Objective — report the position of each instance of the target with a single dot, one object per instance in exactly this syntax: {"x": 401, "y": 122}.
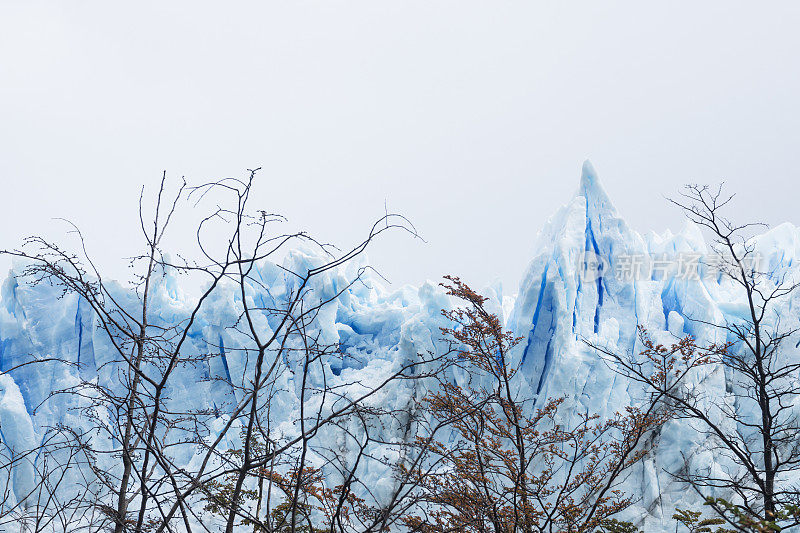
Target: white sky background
{"x": 471, "y": 118}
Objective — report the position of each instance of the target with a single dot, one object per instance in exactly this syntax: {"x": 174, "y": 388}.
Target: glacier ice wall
{"x": 562, "y": 301}
{"x": 595, "y": 279}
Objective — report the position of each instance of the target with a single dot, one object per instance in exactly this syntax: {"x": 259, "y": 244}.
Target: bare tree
{"x": 149, "y": 460}
{"x": 753, "y": 428}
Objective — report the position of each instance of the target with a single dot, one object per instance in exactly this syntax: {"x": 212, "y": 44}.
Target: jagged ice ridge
{"x": 562, "y": 301}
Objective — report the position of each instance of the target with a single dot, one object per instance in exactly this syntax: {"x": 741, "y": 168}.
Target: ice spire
{"x": 597, "y": 200}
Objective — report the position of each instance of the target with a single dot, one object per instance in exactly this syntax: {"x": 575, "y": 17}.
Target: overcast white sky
{"x": 472, "y": 118}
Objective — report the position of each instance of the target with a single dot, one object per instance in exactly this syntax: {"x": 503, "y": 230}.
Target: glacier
{"x": 568, "y": 295}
